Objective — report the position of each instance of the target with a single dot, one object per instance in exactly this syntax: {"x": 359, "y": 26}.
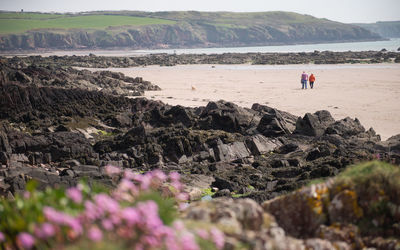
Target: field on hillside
{"x": 22, "y": 22}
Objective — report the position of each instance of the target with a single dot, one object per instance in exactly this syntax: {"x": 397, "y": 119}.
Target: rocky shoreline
{"x": 316, "y": 57}
{"x": 58, "y": 125}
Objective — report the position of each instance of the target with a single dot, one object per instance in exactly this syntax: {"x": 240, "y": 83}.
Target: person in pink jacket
{"x": 304, "y": 79}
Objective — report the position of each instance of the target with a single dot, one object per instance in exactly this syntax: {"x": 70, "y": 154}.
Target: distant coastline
{"x": 157, "y": 30}
{"x": 392, "y": 45}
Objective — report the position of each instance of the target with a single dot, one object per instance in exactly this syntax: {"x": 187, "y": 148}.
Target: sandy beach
{"x": 369, "y": 92}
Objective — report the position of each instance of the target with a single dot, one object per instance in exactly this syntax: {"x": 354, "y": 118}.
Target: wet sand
{"x": 369, "y": 92}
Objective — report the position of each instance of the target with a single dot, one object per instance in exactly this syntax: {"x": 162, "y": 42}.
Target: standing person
{"x": 312, "y": 80}
{"x": 304, "y": 79}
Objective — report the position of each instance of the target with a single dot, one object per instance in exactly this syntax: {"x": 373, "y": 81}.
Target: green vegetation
{"x": 377, "y": 188}
{"x": 21, "y": 22}
{"x": 105, "y": 133}
{"x": 208, "y": 191}
{"x": 135, "y": 29}
{"x": 98, "y": 217}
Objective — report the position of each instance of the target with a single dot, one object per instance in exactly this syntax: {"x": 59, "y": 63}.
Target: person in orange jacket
{"x": 311, "y": 79}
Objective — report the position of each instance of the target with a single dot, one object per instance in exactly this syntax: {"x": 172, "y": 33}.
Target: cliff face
{"x": 384, "y": 29}
{"x": 194, "y": 29}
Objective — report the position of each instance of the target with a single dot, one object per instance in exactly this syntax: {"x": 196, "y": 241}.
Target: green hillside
{"x": 144, "y": 30}
{"x": 12, "y": 23}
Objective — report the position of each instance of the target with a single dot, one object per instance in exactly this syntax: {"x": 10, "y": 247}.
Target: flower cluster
{"x": 128, "y": 214}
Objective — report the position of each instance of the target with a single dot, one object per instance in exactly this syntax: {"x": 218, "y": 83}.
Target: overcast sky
{"x": 338, "y": 10}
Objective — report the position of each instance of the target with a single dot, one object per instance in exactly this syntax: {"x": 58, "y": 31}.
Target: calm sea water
{"x": 390, "y": 45}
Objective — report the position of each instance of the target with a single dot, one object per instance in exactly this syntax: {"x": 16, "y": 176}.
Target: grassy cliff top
{"x": 17, "y": 23}
{"x": 22, "y": 22}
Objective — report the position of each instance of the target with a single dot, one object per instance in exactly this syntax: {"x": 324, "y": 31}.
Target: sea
{"x": 390, "y": 45}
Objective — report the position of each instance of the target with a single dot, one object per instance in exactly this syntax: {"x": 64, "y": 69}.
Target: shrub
{"x": 140, "y": 213}
{"x": 377, "y": 188}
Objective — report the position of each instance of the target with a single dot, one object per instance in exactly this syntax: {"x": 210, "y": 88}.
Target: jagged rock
{"x": 273, "y": 124}
{"x": 181, "y": 115}
{"x": 226, "y": 116}
{"x": 19, "y": 158}
{"x": 344, "y": 208}
{"x": 44, "y": 178}
{"x": 318, "y": 152}
{"x": 4, "y": 144}
{"x": 17, "y": 183}
{"x": 287, "y": 148}
{"x": 223, "y": 184}
{"x": 121, "y": 120}
{"x": 346, "y": 127}
{"x": 314, "y": 124}
{"x": 231, "y": 152}
{"x": 301, "y": 213}
{"x": 348, "y": 234}
{"x": 259, "y": 145}
{"x": 72, "y": 163}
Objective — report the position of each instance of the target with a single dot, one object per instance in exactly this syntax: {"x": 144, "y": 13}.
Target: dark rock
{"x": 181, "y": 115}
{"x": 223, "y": 184}
{"x": 318, "y": 152}
{"x": 223, "y": 193}
{"x": 231, "y": 152}
{"x": 85, "y": 168}
{"x": 121, "y": 120}
{"x": 67, "y": 172}
{"x": 4, "y": 144}
{"x": 19, "y": 158}
{"x": 17, "y": 183}
{"x": 346, "y": 127}
{"x": 287, "y": 148}
{"x": 259, "y": 145}
{"x": 314, "y": 124}
{"x": 72, "y": 163}
{"x": 226, "y": 116}
{"x": 61, "y": 128}
{"x": 273, "y": 124}
{"x": 323, "y": 171}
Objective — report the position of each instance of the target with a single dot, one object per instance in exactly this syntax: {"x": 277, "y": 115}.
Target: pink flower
{"x": 145, "y": 182}
{"x": 62, "y": 219}
{"x": 74, "y": 194}
{"x": 2, "y": 237}
{"x": 53, "y": 215}
{"x": 130, "y": 215}
{"x": 127, "y": 185}
{"x": 177, "y": 185}
{"x": 159, "y": 175}
{"x": 129, "y": 174}
{"x": 95, "y": 234}
{"x": 149, "y": 210}
{"x": 203, "y": 234}
{"x": 26, "y": 240}
{"x": 73, "y": 223}
{"x": 182, "y": 196}
{"x": 106, "y": 203}
{"x": 188, "y": 242}
{"x": 174, "y": 176}
{"x": 151, "y": 241}
{"x": 139, "y": 246}
{"x": 27, "y": 195}
{"x": 47, "y": 230}
{"x": 111, "y": 170}
{"x": 218, "y": 238}
{"x": 91, "y": 211}
{"x": 107, "y": 224}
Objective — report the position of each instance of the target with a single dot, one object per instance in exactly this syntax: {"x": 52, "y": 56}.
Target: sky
{"x": 347, "y": 11}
